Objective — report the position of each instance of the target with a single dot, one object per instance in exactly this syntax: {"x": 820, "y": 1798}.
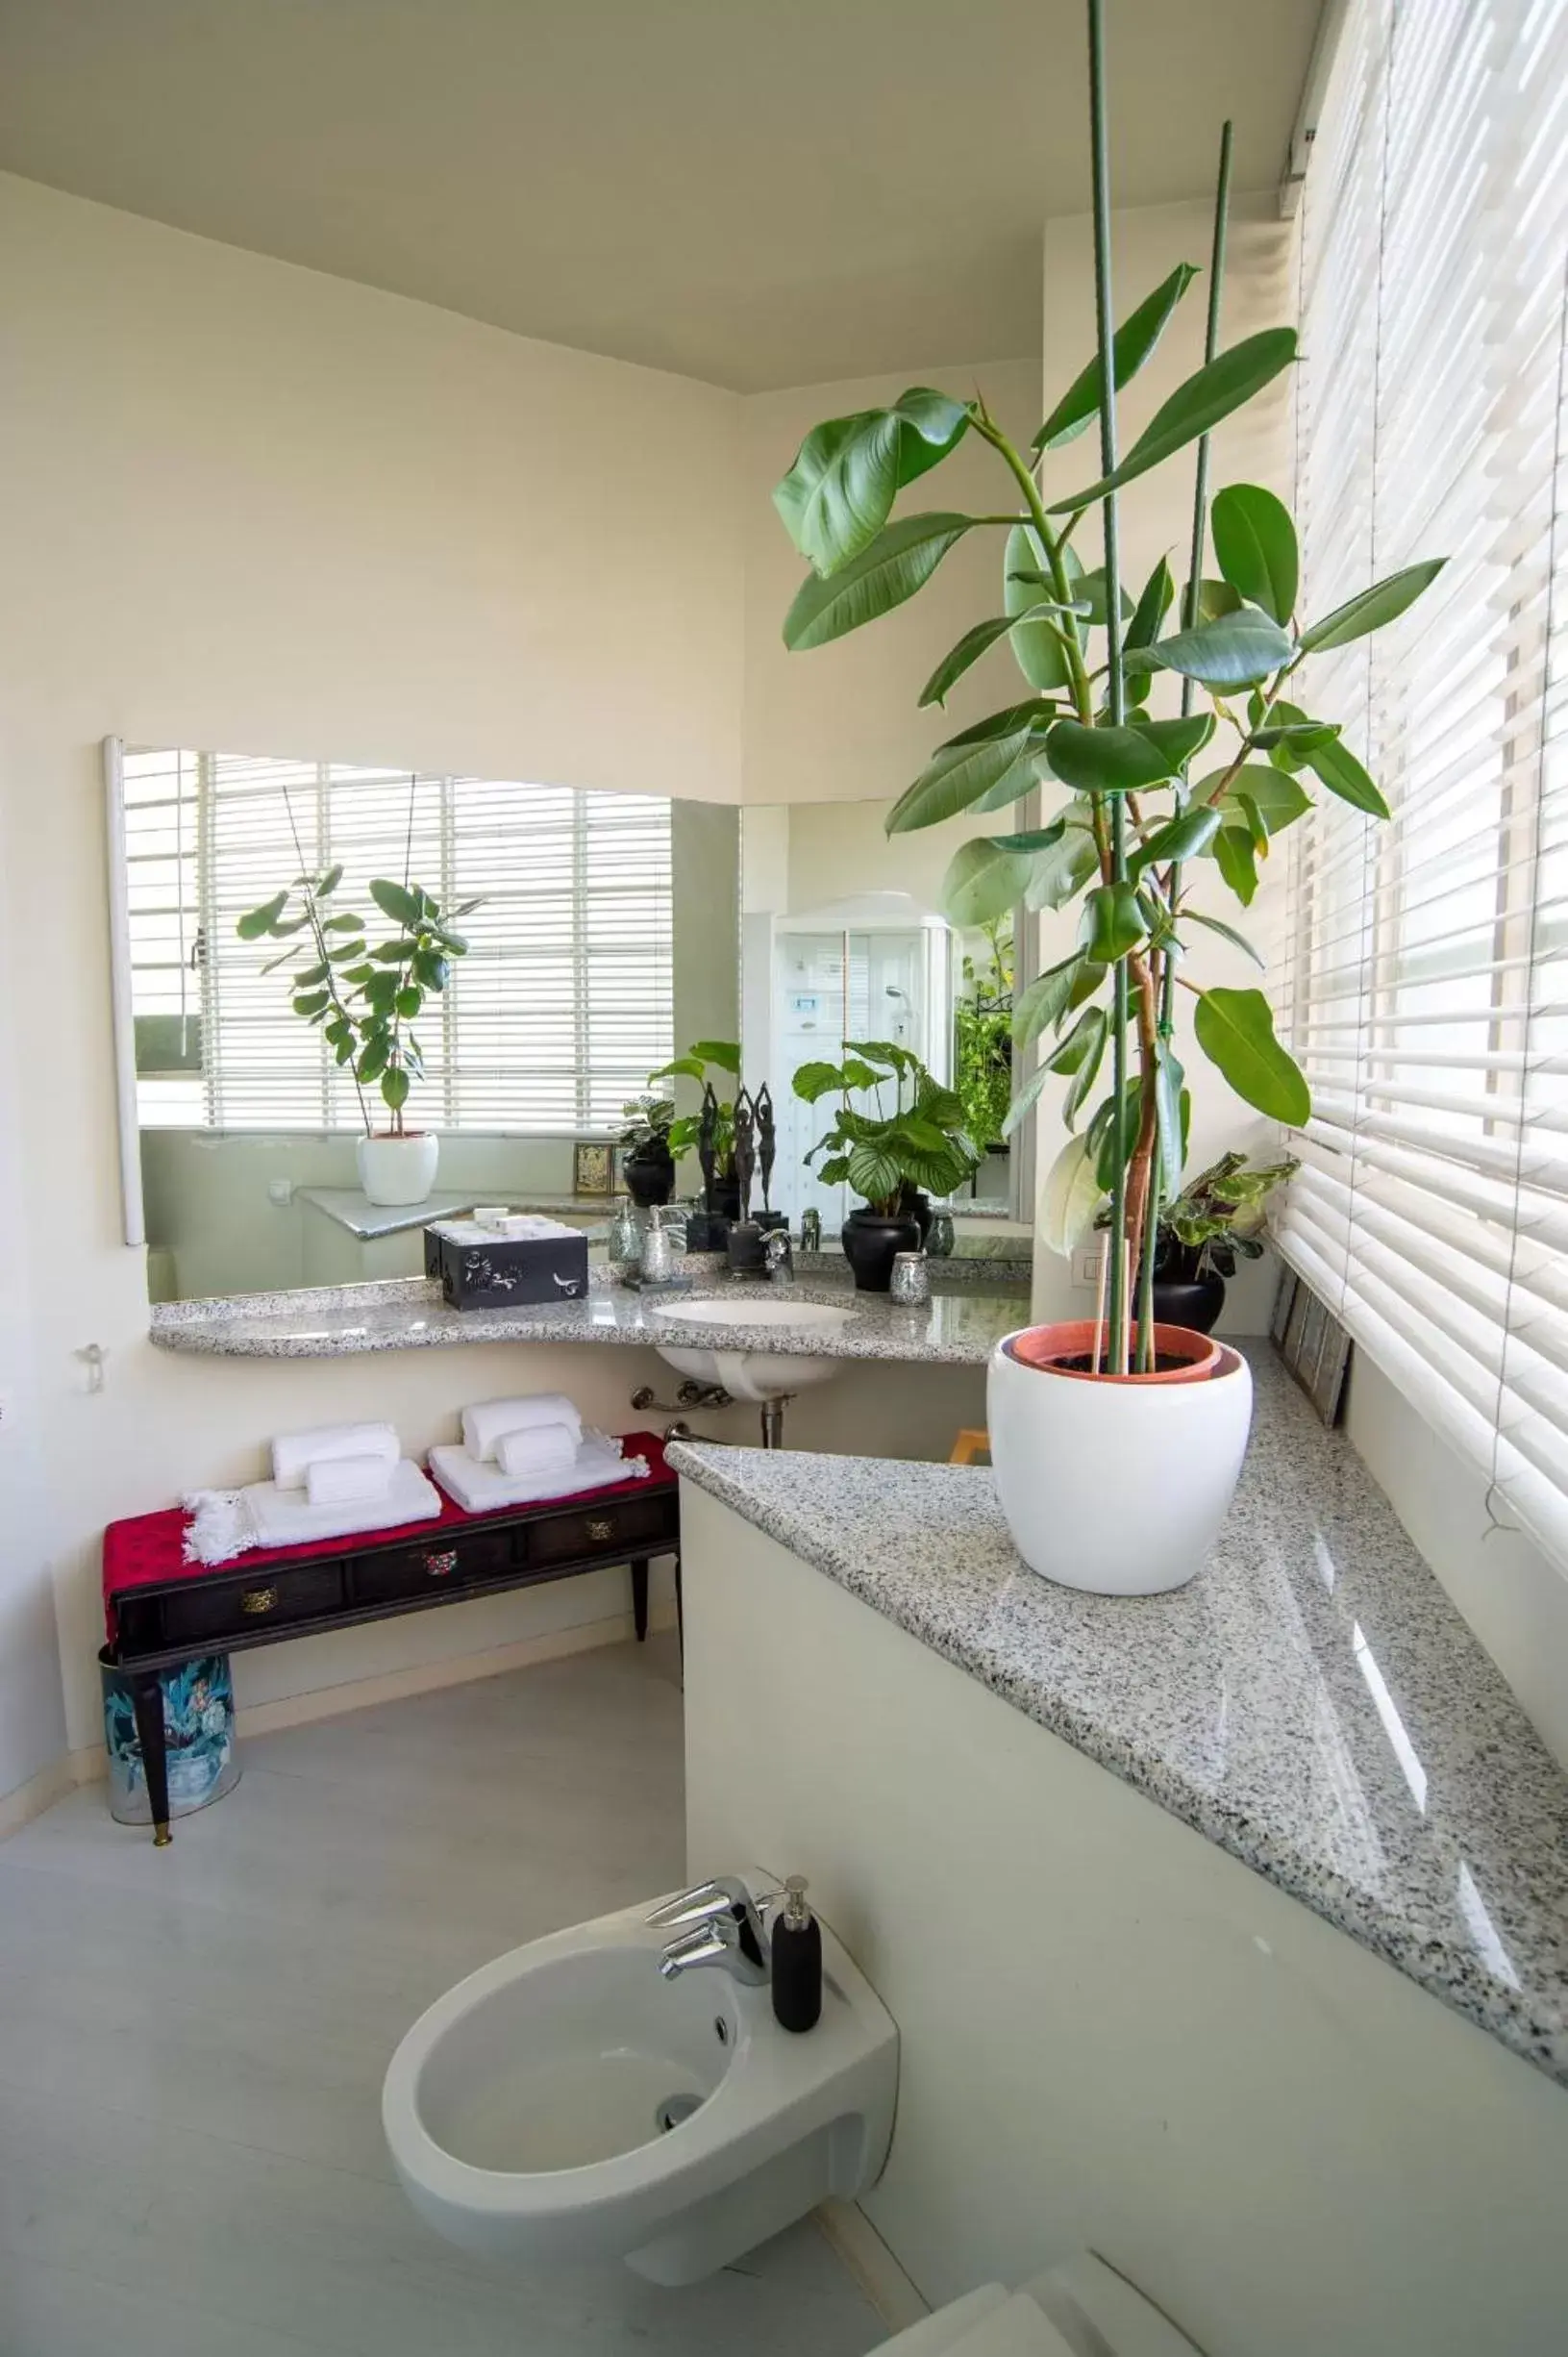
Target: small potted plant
{"x": 365, "y": 1000}
{"x": 1203, "y": 1231}
{"x": 647, "y": 1164}
{"x": 702, "y": 1060}
{"x": 888, "y": 1157}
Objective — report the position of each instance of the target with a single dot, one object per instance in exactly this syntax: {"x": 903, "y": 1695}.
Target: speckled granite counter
{"x": 955, "y": 1329}
{"x": 1312, "y": 1702}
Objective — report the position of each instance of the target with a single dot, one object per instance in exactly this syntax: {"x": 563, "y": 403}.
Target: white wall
{"x": 1113, "y": 2034}
{"x": 265, "y": 510}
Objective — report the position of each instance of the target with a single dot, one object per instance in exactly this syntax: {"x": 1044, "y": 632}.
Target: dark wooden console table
{"x": 160, "y": 1610}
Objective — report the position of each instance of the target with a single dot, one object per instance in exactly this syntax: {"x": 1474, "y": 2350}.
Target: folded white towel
{"x": 480, "y": 1488}
{"x": 292, "y": 1452}
{"x": 227, "y": 1522}
{"x": 482, "y": 1425}
{"x": 346, "y": 1481}
{"x": 542, "y": 1448}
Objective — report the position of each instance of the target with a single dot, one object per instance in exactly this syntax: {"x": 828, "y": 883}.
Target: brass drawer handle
{"x": 442, "y": 1564}
{"x": 258, "y": 1599}
{"x": 600, "y": 1527}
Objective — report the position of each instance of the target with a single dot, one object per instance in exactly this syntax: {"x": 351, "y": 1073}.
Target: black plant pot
{"x": 1194, "y": 1302}
{"x": 650, "y": 1176}
{"x": 915, "y": 1204}
{"x": 872, "y": 1243}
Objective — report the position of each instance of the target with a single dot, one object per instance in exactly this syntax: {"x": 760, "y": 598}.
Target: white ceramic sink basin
{"x": 567, "y": 2102}
{"x": 745, "y": 1372}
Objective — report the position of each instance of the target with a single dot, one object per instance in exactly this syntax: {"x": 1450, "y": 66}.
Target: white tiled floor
{"x": 192, "y": 2041}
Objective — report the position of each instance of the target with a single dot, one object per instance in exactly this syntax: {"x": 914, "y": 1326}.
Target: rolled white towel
{"x": 293, "y": 1451}
{"x": 482, "y": 1425}
{"x": 541, "y": 1448}
{"x": 346, "y": 1481}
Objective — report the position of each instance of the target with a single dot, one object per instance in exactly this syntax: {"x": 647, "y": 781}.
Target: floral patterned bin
{"x": 198, "y": 1732}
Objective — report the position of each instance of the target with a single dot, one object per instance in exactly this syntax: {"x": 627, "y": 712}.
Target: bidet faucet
{"x": 778, "y": 1256}
{"x": 726, "y": 1931}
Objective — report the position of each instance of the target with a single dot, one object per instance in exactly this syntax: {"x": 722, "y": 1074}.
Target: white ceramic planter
{"x": 395, "y": 1170}
{"x": 1116, "y": 1486}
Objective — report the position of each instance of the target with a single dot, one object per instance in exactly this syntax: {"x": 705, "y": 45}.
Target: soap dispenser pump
{"x": 797, "y": 1961}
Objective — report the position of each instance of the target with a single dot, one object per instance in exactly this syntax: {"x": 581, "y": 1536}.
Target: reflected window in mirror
{"x": 562, "y": 1003}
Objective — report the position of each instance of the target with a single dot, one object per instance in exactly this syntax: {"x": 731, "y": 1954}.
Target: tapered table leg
{"x": 147, "y": 1702}
{"x": 639, "y": 1597}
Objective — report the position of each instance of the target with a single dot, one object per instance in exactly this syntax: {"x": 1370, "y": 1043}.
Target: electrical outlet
{"x": 1087, "y": 1266}
{"x": 281, "y": 1191}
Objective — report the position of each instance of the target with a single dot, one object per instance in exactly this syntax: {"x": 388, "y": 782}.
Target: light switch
{"x": 281, "y": 1191}
{"x": 1086, "y": 1265}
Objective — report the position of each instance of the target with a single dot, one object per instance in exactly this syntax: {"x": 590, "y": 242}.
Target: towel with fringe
{"x": 227, "y": 1522}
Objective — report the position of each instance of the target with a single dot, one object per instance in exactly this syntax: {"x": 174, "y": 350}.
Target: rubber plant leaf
{"x": 1130, "y": 348}
{"x": 1236, "y": 1031}
{"x": 900, "y": 560}
{"x": 1198, "y": 405}
{"x": 983, "y": 882}
{"x": 1235, "y": 650}
{"x": 1343, "y": 775}
{"x": 1371, "y": 609}
{"x": 1256, "y": 543}
{"x": 1069, "y": 1199}
{"x": 839, "y": 492}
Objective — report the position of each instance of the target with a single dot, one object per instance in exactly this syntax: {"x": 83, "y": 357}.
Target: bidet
{"x": 569, "y": 2102}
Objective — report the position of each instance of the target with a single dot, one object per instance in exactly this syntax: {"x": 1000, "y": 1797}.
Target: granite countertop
{"x": 955, "y": 1329}
{"x": 1312, "y": 1702}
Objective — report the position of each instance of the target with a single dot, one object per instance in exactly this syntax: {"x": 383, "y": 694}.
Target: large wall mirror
{"x": 608, "y": 932}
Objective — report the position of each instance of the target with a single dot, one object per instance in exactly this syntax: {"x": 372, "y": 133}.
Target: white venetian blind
{"x": 1427, "y": 987}
{"x": 560, "y": 1007}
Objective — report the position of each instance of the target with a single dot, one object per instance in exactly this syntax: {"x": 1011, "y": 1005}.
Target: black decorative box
{"x": 478, "y": 1269}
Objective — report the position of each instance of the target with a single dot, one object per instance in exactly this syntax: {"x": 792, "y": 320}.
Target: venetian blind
{"x": 560, "y": 1007}
{"x": 1427, "y": 987}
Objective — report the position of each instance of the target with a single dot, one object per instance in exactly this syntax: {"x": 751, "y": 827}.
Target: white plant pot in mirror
{"x": 1114, "y": 1485}
{"x": 395, "y": 1170}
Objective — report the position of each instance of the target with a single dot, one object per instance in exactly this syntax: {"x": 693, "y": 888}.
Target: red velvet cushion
{"x": 147, "y": 1550}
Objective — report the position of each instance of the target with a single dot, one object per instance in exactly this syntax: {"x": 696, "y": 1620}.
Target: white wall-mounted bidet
{"x": 595, "y": 2095}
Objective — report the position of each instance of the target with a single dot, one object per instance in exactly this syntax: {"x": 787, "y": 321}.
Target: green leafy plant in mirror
{"x": 647, "y": 1121}
{"x": 983, "y": 1038}
{"x": 706, "y": 1060}
{"x": 918, "y": 1141}
{"x": 1141, "y": 797}
{"x": 364, "y": 997}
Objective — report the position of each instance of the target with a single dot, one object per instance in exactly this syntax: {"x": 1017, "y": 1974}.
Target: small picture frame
{"x": 594, "y": 1167}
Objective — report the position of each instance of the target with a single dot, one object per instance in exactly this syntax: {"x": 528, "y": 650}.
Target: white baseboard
{"x": 90, "y": 1766}
{"x": 872, "y": 2263}
{"x": 41, "y": 1791}
{"x": 427, "y": 1677}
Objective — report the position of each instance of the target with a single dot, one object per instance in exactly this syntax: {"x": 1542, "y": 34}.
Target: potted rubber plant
{"x": 647, "y": 1163}
{"x": 889, "y": 1157}
{"x": 365, "y": 999}
{"x": 1117, "y": 1441}
{"x": 709, "y": 1062}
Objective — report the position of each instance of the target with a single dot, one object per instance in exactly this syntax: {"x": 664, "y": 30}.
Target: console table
{"x": 159, "y": 1609}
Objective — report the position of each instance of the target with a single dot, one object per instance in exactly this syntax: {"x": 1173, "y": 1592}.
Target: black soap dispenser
{"x": 797, "y": 1961}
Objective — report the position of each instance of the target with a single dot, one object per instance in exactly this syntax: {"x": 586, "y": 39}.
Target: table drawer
{"x": 444, "y": 1561}
{"x": 628, "y": 1527}
{"x": 268, "y": 1600}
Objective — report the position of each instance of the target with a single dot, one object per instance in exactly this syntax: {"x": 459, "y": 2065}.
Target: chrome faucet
{"x": 726, "y": 1931}
{"x": 778, "y": 1256}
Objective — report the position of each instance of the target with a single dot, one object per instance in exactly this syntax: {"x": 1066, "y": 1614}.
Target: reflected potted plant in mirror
{"x": 894, "y": 1157}
{"x": 647, "y": 1164}
{"x": 983, "y": 1038}
{"x": 702, "y": 1061}
{"x": 1116, "y": 1444}
{"x": 364, "y": 999}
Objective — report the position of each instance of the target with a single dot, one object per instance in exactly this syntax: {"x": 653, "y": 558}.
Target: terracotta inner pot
{"x": 1047, "y": 1347}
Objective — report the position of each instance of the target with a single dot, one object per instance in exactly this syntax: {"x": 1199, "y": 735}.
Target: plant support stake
{"x": 1115, "y": 701}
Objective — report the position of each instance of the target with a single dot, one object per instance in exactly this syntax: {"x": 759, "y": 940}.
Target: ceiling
{"x": 757, "y": 192}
